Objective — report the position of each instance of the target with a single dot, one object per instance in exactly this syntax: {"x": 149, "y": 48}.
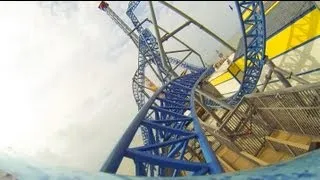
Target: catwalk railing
{"x": 295, "y": 110}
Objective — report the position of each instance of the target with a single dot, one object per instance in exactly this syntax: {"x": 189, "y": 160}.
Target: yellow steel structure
{"x": 301, "y": 31}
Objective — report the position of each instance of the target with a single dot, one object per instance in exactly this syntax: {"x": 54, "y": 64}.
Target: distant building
{"x": 221, "y": 60}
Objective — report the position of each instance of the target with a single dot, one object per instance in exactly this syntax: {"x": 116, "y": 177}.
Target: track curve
{"x": 148, "y": 48}
{"x": 253, "y": 28}
{"x": 166, "y": 128}
{"x": 148, "y": 52}
{"x": 175, "y": 98}
{"x": 170, "y": 129}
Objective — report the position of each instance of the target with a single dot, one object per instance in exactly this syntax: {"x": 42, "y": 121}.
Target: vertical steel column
{"x": 280, "y": 76}
{"x": 125, "y": 28}
{"x": 162, "y": 54}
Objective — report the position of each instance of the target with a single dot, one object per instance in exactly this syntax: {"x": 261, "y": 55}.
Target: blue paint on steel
{"x": 185, "y": 65}
{"x": 167, "y": 128}
{"x": 132, "y": 5}
{"x": 303, "y": 167}
{"x": 167, "y": 142}
{"x": 115, "y": 158}
{"x": 176, "y": 94}
{"x": 254, "y": 43}
{"x": 208, "y": 154}
{"x": 151, "y": 159}
{"x": 148, "y": 51}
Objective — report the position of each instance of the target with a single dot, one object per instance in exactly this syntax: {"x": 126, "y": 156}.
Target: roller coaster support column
{"x": 267, "y": 79}
{"x": 213, "y": 115}
{"x": 199, "y": 25}
{"x": 279, "y": 75}
{"x": 167, "y": 36}
{"x": 182, "y": 61}
{"x": 180, "y": 41}
{"x": 138, "y": 25}
{"x": 164, "y": 57}
{"x": 291, "y": 75}
{"x": 216, "y": 100}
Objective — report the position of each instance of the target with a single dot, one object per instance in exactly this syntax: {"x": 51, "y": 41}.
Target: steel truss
{"x": 170, "y": 128}
{"x": 166, "y": 126}
{"x": 148, "y": 52}
{"x": 254, "y": 34}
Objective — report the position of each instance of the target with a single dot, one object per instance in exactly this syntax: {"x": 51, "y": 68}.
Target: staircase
{"x": 247, "y": 137}
{"x": 274, "y": 150}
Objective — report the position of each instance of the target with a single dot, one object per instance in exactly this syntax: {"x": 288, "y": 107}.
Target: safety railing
{"x": 295, "y": 109}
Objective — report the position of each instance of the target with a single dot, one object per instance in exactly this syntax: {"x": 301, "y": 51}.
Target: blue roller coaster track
{"x": 168, "y": 119}
{"x": 254, "y": 32}
{"x": 148, "y": 51}
{"x": 169, "y": 128}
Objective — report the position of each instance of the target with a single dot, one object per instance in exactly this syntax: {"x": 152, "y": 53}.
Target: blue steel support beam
{"x": 209, "y": 155}
{"x": 254, "y": 43}
{"x": 172, "y": 135}
{"x": 116, "y": 156}
{"x": 149, "y": 50}
{"x": 163, "y": 56}
{"x": 168, "y": 133}
{"x": 131, "y": 7}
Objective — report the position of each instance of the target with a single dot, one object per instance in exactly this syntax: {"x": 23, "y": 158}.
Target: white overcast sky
{"x": 66, "y": 73}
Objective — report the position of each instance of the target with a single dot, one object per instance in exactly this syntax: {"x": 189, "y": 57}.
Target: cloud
{"x": 60, "y": 71}
{"x": 60, "y": 8}
{"x": 66, "y": 71}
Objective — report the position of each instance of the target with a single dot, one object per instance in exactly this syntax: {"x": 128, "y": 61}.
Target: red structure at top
{"x": 103, "y": 5}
